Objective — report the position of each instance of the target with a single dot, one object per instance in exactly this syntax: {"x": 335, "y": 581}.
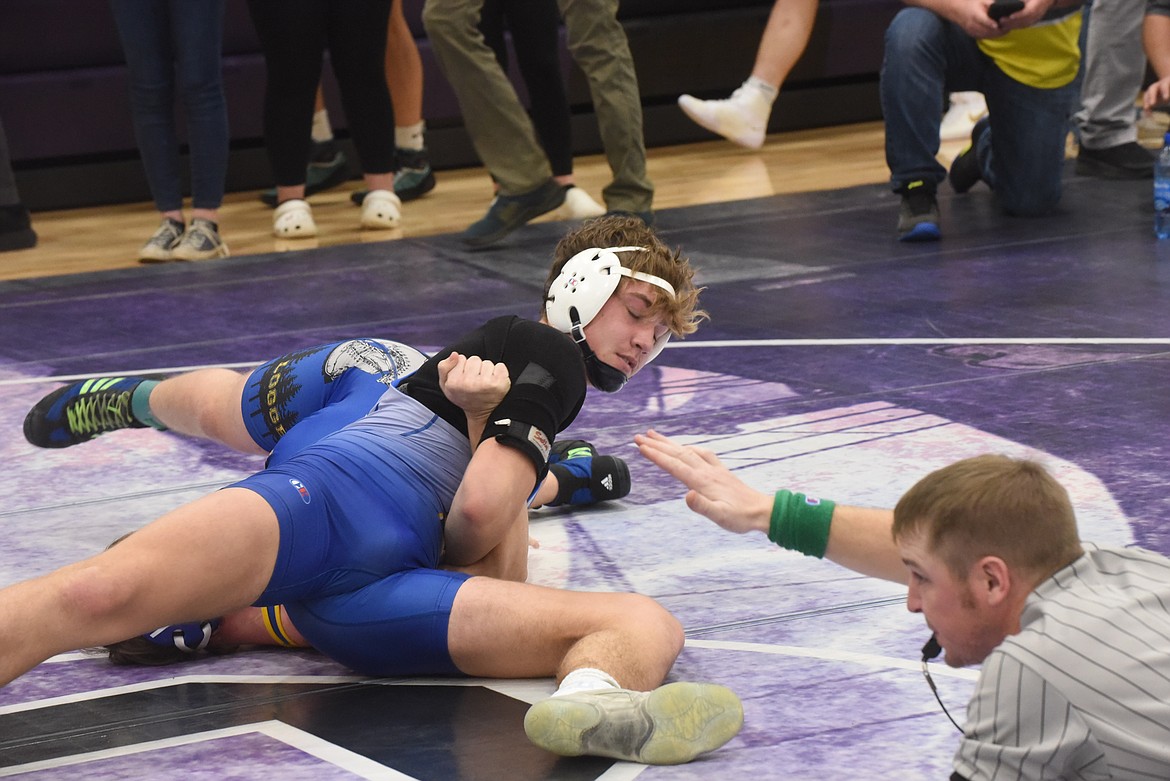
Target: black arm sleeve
{"x": 546, "y": 369}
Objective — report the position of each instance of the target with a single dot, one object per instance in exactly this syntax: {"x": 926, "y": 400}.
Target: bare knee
{"x": 654, "y": 623}
{"x": 93, "y": 595}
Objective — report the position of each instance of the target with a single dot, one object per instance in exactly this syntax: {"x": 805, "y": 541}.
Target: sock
{"x": 410, "y": 137}
{"x": 322, "y": 130}
{"x": 140, "y": 404}
{"x": 586, "y": 679}
{"x": 763, "y": 88}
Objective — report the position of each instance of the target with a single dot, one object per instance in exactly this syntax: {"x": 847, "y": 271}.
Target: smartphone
{"x": 1001, "y": 8}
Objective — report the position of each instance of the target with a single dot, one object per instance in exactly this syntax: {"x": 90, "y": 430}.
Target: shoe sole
{"x": 219, "y": 252}
{"x": 419, "y": 190}
{"x": 686, "y": 720}
{"x": 923, "y": 231}
{"x": 156, "y": 256}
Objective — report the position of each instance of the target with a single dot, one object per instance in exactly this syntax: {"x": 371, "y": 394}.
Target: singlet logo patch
{"x": 301, "y": 489}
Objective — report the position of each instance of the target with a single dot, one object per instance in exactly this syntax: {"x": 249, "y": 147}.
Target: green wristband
{"x": 801, "y": 523}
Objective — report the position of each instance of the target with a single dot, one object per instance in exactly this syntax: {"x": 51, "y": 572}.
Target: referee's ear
{"x": 992, "y": 581}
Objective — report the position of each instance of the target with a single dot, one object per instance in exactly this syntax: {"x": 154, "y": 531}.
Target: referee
{"x": 1074, "y": 638}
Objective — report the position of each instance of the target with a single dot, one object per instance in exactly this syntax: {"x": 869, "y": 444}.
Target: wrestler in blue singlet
{"x": 360, "y": 509}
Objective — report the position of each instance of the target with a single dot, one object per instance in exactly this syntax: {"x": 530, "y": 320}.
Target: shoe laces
{"x": 203, "y": 234}
{"x": 95, "y": 413}
{"x": 167, "y": 234}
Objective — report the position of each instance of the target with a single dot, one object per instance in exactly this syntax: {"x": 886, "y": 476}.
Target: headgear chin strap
{"x": 585, "y": 283}
{"x": 186, "y": 637}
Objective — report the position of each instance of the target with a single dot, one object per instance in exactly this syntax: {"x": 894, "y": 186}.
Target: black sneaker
{"x": 413, "y": 179}
{"x": 327, "y": 168}
{"x": 79, "y": 412}
{"x": 1124, "y": 161}
{"x": 587, "y": 480}
{"x": 509, "y": 212}
{"x": 965, "y": 171}
{"x": 918, "y": 217}
{"x": 16, "y": 229}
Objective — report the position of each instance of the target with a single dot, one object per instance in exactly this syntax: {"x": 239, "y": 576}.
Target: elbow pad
{"x": 528, "y": 439}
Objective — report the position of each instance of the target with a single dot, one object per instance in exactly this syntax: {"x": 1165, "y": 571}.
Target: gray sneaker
{"x": 668, "y": 726}
{"x": 918, "y": 215}
{"x": 160, "y": 247}
{"x": 200, "y": 242}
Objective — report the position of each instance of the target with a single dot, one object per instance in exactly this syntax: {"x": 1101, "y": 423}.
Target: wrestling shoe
{"x": 79, "y": 412}
{"x": 583, "y": 480}
{"x": 741, "y": 119}
{"x": 327, "y": 168}
{"x": 571, "y": 448}
{"x": 585, "y": 477}
{"x": 918, "y": 215}
{"x": 668, "y": 726}
{"x": 509, "y": 212}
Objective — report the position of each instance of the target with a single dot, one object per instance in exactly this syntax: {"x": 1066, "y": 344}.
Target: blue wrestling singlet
{"x": 397, "y": 626}
{"x": 364, "y": 502}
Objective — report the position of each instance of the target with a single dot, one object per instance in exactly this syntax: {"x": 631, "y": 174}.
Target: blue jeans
{"x": 175, "y": 46}
{"x": 1022, "y": 155}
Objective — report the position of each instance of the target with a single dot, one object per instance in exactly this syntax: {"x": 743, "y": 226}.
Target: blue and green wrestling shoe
{"x": 584, "y": 477}
{"x": 79, "y": 412}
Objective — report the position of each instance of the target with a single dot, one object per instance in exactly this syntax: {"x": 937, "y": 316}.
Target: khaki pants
{"x": 498, "y": 124}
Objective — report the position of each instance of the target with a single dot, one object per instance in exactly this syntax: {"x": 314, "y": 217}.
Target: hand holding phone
{"x": 1001, "y": 8}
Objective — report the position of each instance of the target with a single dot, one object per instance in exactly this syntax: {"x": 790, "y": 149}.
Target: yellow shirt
{"x": 1045, "y": 55}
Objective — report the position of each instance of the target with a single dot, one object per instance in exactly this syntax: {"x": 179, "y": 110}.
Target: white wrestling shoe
{"x": 668, "y": 726}
{"x": 966, "y": 109}
{"x": 742, "y": 118}
{"x": 381, "y": 210}
{"x": 293, "y": 220}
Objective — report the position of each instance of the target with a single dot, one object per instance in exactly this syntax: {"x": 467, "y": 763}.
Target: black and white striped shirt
{"x": 1083, "y": 691}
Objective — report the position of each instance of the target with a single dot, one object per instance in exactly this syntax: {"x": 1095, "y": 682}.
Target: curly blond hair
{"x": 681, "y": 313}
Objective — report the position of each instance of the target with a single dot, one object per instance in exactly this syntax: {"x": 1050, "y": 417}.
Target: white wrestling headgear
{"x": 585, "y": 283}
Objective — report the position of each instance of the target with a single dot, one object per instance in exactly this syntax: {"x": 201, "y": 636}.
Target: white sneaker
{"x": 578, "y": 205}
{"x": 381, "y": 210}
{"x": 742, "y": 118}
{"x": 293, "y": 220}
{"x": 966, "y": 109}
{"x": 668, "y": 726}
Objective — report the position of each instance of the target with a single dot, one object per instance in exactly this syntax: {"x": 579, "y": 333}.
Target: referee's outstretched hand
{"x": 714, "y": 491}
